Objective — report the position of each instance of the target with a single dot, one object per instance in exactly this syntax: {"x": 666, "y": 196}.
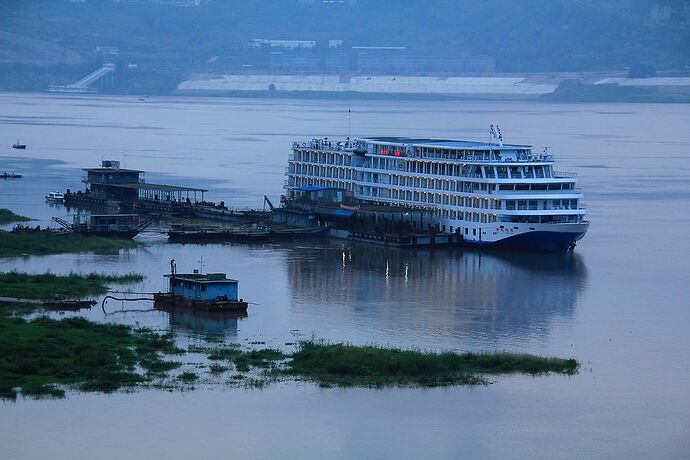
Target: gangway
{"x": 82, "y": 86}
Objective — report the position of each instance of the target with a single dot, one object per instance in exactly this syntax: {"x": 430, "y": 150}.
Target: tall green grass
{"x": 8, "y": 217}
{"x": 43, "y": 243}
{"x": 37, "y": 355}
{"x": 372, "y": 366}
{"x": 46, "y": 285}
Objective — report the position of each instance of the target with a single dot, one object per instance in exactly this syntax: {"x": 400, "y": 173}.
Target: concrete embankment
{"x": 390, "y": 85}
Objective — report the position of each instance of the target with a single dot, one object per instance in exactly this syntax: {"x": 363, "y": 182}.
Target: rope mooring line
{"x": 124, "y": 299}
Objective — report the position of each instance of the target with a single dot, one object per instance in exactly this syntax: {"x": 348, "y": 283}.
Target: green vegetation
{"x": 188, "y": 377}
{"x": 36, "y": 355}
{"x": 43, "y": 356}
{"x": 370, "y": 366}
{"x": 244, "y": 360}
{"x": 8, "y": 217}
{"x": 42, "y": 243}
{"x": 576, "y": 91}
{"x": 45, "y": 286}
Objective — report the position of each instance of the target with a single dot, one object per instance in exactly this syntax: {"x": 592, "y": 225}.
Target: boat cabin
{"x": 208, "y": 287}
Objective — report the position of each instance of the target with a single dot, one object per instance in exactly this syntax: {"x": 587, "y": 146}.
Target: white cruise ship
{"x": 489, "y": 192}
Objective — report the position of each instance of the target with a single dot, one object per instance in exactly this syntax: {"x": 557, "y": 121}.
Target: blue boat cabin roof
{"x": 202, "y": 279}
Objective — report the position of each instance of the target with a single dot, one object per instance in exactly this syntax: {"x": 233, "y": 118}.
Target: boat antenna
{"x": 349, "y": 127}
{"x": 201, "y": 265}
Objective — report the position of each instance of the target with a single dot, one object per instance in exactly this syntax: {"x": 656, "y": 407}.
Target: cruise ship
{"x": 490, "y": 193}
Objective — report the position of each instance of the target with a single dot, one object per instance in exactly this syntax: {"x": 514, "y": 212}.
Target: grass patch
{"x": 43, "y": 243}
{"x": 246, "y": 359}
{"x": 371, "y": 366}
{"x": 38, "y": 354}
{"x": 188, "y": 377}
{"x": 216, "y": 369}
{"x": 45, "y": 286}
{"x": 8, "y": 217}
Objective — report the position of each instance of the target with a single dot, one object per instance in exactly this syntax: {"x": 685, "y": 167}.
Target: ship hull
{"x": 556, "y": 242}
{"x": 556, "y": 238}
{"x": 163, "y": 301}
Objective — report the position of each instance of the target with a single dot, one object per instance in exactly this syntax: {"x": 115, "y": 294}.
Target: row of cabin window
{"x": 323, "y": 158}
{"x": 322, "y": 171}
{"x": 434, "y": 198}
{"x": 437, "y": 152}
{"x": 459, "y": 186}
{"x": 427, "y": 167}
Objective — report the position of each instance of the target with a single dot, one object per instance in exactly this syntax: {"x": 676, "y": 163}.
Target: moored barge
{"x": 196, "y": 291}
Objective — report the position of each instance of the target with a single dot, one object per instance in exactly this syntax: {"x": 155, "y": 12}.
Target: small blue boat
{"x": 206, "y": 292}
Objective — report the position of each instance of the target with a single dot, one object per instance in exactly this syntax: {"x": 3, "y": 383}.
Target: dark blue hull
{"x": 559, "y": 242}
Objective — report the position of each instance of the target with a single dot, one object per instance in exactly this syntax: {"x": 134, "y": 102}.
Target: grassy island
{"x": 370, "y": 366}
{"x": 8, "y": 217}
{"x": 46, "y": 285}
{"x": 44, "y": 243}
{"x": 43, "y": 356}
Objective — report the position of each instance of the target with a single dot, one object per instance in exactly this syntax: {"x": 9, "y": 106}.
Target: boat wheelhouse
{"x": 504, "y": 195}
{"x": 208, "y": 292}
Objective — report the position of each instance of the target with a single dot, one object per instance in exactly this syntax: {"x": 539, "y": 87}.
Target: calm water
{"x": 619, "y": 304}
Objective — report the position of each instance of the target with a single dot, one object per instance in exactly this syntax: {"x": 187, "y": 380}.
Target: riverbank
{"x": 44, "y": 243}
{"x": 45, "y": 286}
{"x": 9, "y": 217}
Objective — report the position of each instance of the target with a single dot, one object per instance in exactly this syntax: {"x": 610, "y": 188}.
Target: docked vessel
{"x": 222, "y": 213}
{"x": 55, "y": 197}
{"x": 109, "y": 225}
{"x": 7, "y": 175}
{"x": 486, "y": 193}
{"x": 203, "y": 292}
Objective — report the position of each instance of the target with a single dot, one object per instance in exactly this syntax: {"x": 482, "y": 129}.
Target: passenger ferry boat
{"x": 491, "y": 193}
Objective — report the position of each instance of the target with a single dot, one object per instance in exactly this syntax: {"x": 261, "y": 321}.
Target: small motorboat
{"x": 62, "y": 304}
{"x": 7, "y": 175}
{"x": 19, "y": 146}
{"x": 55, "y": 197}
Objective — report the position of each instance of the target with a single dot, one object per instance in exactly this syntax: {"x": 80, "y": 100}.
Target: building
{"x": 258, "y": 43}
{"x": 110, "y": 182}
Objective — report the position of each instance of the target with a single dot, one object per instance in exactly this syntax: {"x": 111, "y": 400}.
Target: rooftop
{"x": 112, "y": 170}
{"x": 205, "y": 279}
{"x": 149, "y": 186}
{"x": 444, "y": 143}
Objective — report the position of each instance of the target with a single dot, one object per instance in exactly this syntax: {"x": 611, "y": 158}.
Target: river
{"x": 619, "y": 303}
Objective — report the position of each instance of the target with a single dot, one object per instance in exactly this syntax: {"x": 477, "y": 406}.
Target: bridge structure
{"x": 84, "y": 85}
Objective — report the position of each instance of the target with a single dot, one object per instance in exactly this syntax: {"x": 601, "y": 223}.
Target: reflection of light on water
{"x": 456, "y": 292}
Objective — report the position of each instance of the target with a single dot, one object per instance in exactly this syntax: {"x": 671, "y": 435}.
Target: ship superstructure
{"x": 489, "y": 192}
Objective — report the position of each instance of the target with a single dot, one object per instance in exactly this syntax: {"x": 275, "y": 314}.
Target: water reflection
{"x": 436, "y": 291}
{"x": 204, "y": 323}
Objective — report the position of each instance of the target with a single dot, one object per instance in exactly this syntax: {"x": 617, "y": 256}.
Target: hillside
{"x": 167, "y": 42}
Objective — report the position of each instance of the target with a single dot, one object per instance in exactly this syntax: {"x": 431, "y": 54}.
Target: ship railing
{"x": 563, "y": 174}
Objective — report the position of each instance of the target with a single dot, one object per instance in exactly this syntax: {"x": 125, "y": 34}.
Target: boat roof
{"x": 150, "y": 186}
{"x": 444, "y": 143}
{"x": 112, "y": 170}
{"x": 203, "y": 279}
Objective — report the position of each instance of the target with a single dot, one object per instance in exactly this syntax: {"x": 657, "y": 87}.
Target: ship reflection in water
{"x": 204, "y": 323}
{"x": 435, "y": 294}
